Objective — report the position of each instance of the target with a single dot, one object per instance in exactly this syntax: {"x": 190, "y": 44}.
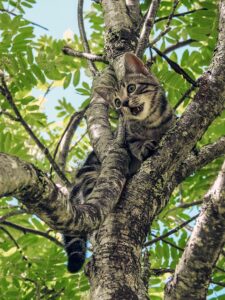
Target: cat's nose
{"x": 125, "y": 103}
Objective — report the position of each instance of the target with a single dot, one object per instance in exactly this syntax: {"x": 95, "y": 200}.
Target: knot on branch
{"x": 118, "y": 42}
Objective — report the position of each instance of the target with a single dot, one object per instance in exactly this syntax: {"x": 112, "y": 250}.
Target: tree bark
{"x": 192, "y": 275}
{"x": 115, "y": 268}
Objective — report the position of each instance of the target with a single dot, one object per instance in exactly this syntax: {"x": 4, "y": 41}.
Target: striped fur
{"x": 141, "y": 100}
{"x": 75, "y": 245}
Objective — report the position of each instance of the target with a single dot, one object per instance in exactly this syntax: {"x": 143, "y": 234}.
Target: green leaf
{"x": 38, "y": 73}
{"x": 76, "y": 77}
{"x": 83, "y": 91}
{"x": 30, "y": 57}
{"x": 67, "y": 81}
{"x": 27, "y": 100}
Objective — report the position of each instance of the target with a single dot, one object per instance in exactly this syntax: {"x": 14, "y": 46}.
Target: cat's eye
{"x": 117, "y": 102}
{"x": 131, "y": 88}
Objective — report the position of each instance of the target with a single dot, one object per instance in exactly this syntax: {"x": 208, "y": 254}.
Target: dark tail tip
{"x": 76, "y": 248}
{"x": 75, "y": 263}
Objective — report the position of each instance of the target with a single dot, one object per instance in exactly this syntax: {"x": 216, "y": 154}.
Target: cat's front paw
{"x": 147, "y": 149}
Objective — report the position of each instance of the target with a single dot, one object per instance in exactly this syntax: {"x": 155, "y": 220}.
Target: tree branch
{"x": 93, "y": 57}
{"x": 185, "y": 95}
{"x": 97, "y": 114}
{"x": 15, "y": 15}
{"x": 169, "y": 243}
{"x": 167, "y": 27}
{"x": 66, "y": 138}
{"x": 78, "y": 141}
{"x": 42, "y": 197}
{"x": 218, "y": 283}
{"x": 185, "y": 205}
{"x": 10, "y": 116}
{"x": 178, "y": 45}
{"x": 147, "y": 192}
{"x": 160, "y": 238}
{"x": 33, "y": 231}
{"x": 180, "y": 14}
{"x": 11, "y": 214}
{"x": 120, "y": 35}
{"x": 16, "y": 244}
{"x": 6, "y": 93}
{"x": 175, "y": 66}
{"x": 197, "y": 259}
{"x": 84, "y": 40}
{"x": 134, "y": 12}
{"x": 147, "y": 27}
{"x": 195, "y": 162}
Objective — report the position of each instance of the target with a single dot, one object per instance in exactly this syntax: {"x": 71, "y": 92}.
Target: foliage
{"x": 33, "y": 267}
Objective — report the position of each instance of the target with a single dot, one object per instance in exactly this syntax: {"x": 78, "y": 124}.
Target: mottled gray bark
{"x": 192, "y": 275}
{"x": 43, "y": 198}
{"x": 120, "y": 35}
{"x": 115, "y": 270}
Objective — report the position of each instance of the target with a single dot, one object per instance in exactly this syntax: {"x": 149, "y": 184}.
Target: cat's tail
{"x": 75, "y": 247}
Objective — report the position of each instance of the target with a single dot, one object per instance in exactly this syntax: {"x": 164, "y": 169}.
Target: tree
{"x": 145, "y": 224}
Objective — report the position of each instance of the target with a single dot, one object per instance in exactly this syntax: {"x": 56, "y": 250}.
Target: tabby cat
{"x": 147, "y": 114}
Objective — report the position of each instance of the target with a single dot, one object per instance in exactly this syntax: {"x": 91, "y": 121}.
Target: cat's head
{"x": 137, "y": 94}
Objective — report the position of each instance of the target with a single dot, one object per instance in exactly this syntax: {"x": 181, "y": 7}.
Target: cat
{"x": 147, "y": 115}
{"x": 141, "y": 100}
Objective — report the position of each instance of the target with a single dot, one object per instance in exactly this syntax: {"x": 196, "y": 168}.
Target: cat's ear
{"x": 134, "y": 65}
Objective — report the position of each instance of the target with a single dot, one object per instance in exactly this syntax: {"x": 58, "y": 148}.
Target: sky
{"x": 58, "y": 16}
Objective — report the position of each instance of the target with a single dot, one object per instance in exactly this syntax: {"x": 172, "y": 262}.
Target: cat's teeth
{"x": 136, "y": 110}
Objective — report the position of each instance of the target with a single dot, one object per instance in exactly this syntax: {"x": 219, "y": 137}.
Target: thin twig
{"x": 83, "y": 36}
{"x": 6, "y": 93}
{"x": 36, "y": 284}
{"x": 169, "y": 243}
{"x": 147, "y": 27}
{"x": 170, "y": 49}
{"x": 161, "y": 34}
{"x": 56, "y": 294}
{"x": 175, "y": 66}
{"x": 15, "y": 15}
{"x": 180, "y": 14}
{"x": 33, "y": 231}
{"x": 178, "y": 45}
{"x": 185, "y": 95}
{"x": 160, "y": 238}
{"x": 218, "y": 283}
{"x": 10, "y": 116}
{"x": 12, "y": 213}
{"x": 220, "y": 269}
{"x": 10, "y": 207}
{"x": 66, "y": 138}
{"x": 185, "y": 205}
{"x": 48, "y": 89}
{"x": 90, "y": 56}
{"x": 78, "y": 141}
{"x": 15, "y": 243}
{"x": 167, "y": 27}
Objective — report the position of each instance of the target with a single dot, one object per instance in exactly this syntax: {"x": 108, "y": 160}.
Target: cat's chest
{"x": 138, "y": 130}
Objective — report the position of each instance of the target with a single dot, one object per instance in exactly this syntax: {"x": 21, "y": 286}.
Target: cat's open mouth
{"x": 136, "y": 110}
